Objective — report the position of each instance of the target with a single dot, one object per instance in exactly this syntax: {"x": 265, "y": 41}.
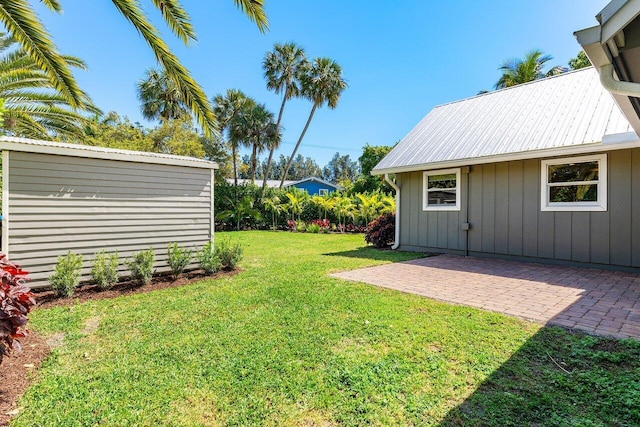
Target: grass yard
{"x": 282, "y": 344}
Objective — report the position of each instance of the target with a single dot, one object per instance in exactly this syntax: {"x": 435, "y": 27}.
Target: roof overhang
{"x": 614, "y": 49}
{"x": 609, "y": 143}
{"x": 78, "y": 150}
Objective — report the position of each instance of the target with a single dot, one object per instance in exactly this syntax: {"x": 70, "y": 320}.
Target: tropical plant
{"x": 32, "y": 106}
{"x": 255, "y": 127}
{"x": 141, "y": 266}
{"x": 66, "y": 275}
{"x": 209, "y": 261}
{"x": 283, "y": 68}
{"x": 381, "y": 231}
{"x": 343, "y": 208}
{"x": 240, "y": 211}
{"x": 21, "y": 20}
{"x": 16, "y": 301}
{"x": 228, "y": 110}
{"x": 273, "y": 204}
{"x": 530, "y": 68}
{"x": 325, "y": 203}
{"x": 178, "y": 258}
{"x": 322, "y": 83}
{"x": 161, "y": 97}
{"x": 230, "y": 254}
{"x": 105, "y": 269}
{"x": 296, "y": 200}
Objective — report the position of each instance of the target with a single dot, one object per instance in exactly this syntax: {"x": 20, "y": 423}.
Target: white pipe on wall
{"x": 396, "y": 244}
{"x": 616, "y": 86}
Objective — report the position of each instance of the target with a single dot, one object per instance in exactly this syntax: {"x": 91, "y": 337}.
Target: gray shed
{"x": 65, "y": 197}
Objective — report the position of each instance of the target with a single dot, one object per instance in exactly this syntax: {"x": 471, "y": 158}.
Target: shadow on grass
{"x": 369, "y": 252}
{"x": 559, "y": 378}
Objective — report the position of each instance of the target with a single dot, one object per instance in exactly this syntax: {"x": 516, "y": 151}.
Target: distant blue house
{"x": 315, "y": 186}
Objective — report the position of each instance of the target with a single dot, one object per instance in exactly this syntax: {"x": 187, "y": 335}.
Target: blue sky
{"x": 400, "y": 57}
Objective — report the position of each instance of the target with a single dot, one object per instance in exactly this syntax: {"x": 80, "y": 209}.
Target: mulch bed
{"x": 18, "y": 370}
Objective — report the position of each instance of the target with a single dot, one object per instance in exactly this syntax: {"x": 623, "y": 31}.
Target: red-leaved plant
{"x": 16, "y": 301}
{"x": 381, "y": 231}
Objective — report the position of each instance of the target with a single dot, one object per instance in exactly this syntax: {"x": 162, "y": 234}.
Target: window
{"x": 574, "y": 184}
{"x": 323, "y": 192}
{"x": 441, "y": 190}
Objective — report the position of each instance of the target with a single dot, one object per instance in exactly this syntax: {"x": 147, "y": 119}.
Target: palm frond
{"x": 22, "y": 22}
{"x": 254, "y": 9}
{"x": 177, "y": 19}
{"x": 53, "y": 5}
{"x": 193, "y": 95}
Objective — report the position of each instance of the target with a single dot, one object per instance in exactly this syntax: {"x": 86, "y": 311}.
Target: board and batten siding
{"x": 64, "y": 203}
{"x": 503, "y": 203}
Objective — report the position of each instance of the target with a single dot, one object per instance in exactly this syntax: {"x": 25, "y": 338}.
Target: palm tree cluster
{"x": 288, "y": 71}
{"x": 527, "y": 69}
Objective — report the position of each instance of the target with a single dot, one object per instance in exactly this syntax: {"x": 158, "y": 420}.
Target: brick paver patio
{"x": 602, "y": 302}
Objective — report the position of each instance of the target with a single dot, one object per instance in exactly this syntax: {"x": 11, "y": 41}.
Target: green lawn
{"x": 282, "y": 344}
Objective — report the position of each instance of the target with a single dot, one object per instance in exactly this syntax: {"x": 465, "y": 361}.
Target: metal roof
{"x": 78, "y": 150}
{"x": 568, "y": 111}
{"x": 316, "y": 179}
{"x": 271, "y": 183}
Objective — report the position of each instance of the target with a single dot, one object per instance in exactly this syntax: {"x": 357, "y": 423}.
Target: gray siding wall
{"x": 60, "y": 203}
{"x": 506, "y": 220}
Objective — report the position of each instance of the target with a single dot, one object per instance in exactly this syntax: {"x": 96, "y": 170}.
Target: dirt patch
{"x": 17, "y": 371}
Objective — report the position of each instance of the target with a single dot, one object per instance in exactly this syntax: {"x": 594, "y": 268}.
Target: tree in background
{"x": 115, "y": 132}
{"x": 177, "y": 137}
{"x": 580, "y": 61}
{"x": 161, "y": 97}
{"x": 283, "y": 68}
{"x": 33, "y": 106}
{"x": 228, "y": 109}
{"x": 530, "y": 68}
{"x": 340, "y": 169}
{"x": 21, "y": 20}
{"x": 301, "y": 167}
{"x": 371, "y": 156}
{"x": 257, "y": 130}
{"x": 322, "y": 83}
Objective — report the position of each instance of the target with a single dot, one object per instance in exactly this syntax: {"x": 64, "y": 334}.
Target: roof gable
{"x": 564, "y": 111}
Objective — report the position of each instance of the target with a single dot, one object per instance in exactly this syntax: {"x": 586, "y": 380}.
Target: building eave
{"x": 77, "y": 150}
{"x": 609, "y": 143}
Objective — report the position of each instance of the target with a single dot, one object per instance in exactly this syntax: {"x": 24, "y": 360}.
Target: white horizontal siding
{"x": 61, "y": 203}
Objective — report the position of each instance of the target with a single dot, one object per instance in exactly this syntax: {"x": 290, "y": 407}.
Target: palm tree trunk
{"x": 273, "y": 148}
{"x": 235, "y": 168}
{"x": 295, "y": 149}
{"x": 254, "y": 161}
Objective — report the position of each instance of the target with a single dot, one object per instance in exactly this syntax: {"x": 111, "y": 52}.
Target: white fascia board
{"x": 597, "y": 147}
{"x": 106, "y": 154}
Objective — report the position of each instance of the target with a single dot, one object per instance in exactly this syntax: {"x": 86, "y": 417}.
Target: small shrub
{"x": 381, "y": 231}
{"x": 209, "y": 261}
{"x": 313, "y": 228}
{"x": 16, "y": 301}
{"x": 291, "y": 225}
{"x": 301, "y": 227}
{"x": 178, "y": 258}
{"x": 228, "y": 253}
{"x": 141, "y": 266}
{"x": 105, "y": 269}
{"x": 66, "y": 275}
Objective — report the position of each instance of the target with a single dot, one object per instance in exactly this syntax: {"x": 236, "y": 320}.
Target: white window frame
{"x": 598, "y": 206}
{"x": 425, "y": 190}
{"x": 323, "y": 192}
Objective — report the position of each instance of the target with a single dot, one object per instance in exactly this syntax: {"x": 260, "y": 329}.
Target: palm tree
{"x": 240, "y": 211}
{"x": 160, "y": 97}
{"x": 322, "y": 83}
{"x": 257, "y": 130}
{"x": 21, "y": 20}
{"x": 33, "y": 107}
{"x": 228, "y": 109}
{"x": 527, "y": 69}
{"x": 283, "y": 69}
